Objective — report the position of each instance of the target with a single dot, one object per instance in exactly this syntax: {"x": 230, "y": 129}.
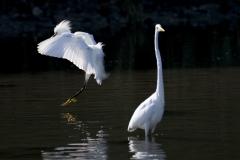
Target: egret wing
{"x": 142, "y": 114}
{"x": 71, "y": 47}
{"x": 87, "y": 37}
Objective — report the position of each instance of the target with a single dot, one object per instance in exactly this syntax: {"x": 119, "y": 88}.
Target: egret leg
{"x": 146, "y": 127}
{"x": 72, "y": 99}
{"x": 153, "y": 129}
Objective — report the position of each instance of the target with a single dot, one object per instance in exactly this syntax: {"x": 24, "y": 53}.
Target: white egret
{"x": 79, "y": 48}
{"x": 150, "y": 112}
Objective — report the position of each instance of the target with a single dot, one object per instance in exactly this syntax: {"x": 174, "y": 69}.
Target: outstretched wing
{"x": 71, "y": 47}
{"x": 87, "y": 37}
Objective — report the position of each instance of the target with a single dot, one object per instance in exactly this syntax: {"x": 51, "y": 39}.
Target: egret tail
{"x": 72, "y": 99}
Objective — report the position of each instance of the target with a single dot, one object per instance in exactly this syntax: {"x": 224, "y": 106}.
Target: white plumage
{"x": 79, "y": 48}
{"x": 150, "y": 112}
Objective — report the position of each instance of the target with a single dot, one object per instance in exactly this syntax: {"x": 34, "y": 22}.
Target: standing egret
{"x": 79, "y": 48}
{"x": 150, "y": 112}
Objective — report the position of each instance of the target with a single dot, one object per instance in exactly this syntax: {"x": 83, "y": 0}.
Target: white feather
{"x": 88, "y": 38}
{"x": 79, "y": 48}
{"x": 63, "y": 27}
{"x": 149, "y": 113}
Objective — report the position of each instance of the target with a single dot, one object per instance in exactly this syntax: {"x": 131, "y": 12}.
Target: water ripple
{"x": 146, "y": 149}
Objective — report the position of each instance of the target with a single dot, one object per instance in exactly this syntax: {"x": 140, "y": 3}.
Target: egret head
{"x": 62, "y": 27}
{"x": 159, "y": 28}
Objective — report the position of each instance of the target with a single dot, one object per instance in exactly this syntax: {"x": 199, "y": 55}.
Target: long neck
{"x": 160, "y": 87}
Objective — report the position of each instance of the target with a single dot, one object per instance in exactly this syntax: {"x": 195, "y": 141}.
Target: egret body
{"x": 79, "y": 48}
{"x": 150, "y": 112}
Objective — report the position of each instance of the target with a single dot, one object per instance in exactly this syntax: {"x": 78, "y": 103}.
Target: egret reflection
{"x": 69, "y": 117}
{"x": 146, "y": 149}
{"x": 91, "y": 147}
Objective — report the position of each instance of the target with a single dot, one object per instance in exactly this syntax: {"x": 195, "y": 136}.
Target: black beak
{"x": 54, "y": 35}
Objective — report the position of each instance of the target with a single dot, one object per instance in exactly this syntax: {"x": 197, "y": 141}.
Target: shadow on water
{"x": 146, "y": 149}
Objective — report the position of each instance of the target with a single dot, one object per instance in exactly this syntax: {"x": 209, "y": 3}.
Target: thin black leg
{"x": 84, "y": 86}
{"x": 72, "y": 99}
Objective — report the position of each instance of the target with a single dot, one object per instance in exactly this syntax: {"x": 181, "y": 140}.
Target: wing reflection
{"x": 89, "y": 148}
{"x": 146, "y": 149}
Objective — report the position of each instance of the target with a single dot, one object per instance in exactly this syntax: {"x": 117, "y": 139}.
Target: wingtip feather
{"x": 100, "y": 45}
{"x": 63, "y": 26}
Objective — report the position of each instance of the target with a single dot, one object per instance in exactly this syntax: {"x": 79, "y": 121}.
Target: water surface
{"x": 200, "y": 120}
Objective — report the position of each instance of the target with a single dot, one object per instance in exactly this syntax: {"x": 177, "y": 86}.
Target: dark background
{"x": 200, "y": 49}
{"x": 25, "y": 23}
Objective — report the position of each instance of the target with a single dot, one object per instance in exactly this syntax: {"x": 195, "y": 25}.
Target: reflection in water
{"x": 69, "y": 117}
{"x": 89, "y": 148}
{"x": 146, "y": 149}
{"x": 202, "y": 115}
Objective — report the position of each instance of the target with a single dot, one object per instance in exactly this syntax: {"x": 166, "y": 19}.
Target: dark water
{"x": 201, "y": 119}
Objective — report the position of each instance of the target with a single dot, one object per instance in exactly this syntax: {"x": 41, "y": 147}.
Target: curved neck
{"x": 160, "y": 87}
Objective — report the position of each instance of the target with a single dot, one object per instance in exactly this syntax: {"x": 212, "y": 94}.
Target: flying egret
{"x": 150, "y": 112}
{"x": 79, "y": 48}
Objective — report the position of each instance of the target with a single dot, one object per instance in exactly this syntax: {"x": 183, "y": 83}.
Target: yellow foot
{"x": 69, "y": 101}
